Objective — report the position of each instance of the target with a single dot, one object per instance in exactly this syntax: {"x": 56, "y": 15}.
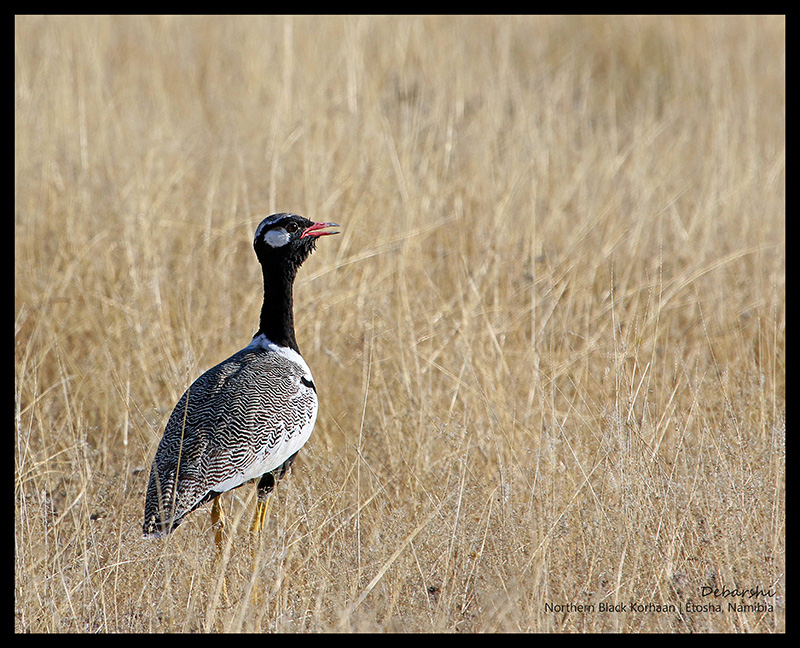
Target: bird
{"x": 247, "y": 417}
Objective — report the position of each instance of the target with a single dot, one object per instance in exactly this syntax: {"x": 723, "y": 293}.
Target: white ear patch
{"x": 277, "y": 237}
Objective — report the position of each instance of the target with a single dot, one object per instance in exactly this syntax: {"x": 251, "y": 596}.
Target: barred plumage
{"x": 248, "y": 416}
{"x": 244, "y": 417}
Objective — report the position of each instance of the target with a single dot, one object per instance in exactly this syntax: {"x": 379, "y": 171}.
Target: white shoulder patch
{"x": 262, "y": 342}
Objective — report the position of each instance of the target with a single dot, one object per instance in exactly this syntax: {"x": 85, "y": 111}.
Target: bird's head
{"x": 288, "y": 237}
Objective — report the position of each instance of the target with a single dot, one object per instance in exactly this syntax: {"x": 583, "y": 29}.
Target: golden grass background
{"x": 549, "y": 342}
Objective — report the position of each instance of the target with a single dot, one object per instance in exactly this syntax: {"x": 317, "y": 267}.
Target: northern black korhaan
{"x": 247, "y": 417}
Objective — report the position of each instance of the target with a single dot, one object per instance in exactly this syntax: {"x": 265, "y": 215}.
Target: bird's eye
{"x": 291, "y": 227}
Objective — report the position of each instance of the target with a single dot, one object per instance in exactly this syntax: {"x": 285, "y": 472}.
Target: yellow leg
{"x": 259, "y": 518}
{"x": 255, "y": 529}
{"x": 218, "y": 522}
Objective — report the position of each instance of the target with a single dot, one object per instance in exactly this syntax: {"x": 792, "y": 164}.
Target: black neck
{"x": 277, "y": 316}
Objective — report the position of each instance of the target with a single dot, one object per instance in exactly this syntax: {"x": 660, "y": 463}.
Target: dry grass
{"x": 549, "y": 343}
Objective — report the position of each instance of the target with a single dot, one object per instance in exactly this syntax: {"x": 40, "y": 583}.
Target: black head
{"x": 288, "y": 237}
